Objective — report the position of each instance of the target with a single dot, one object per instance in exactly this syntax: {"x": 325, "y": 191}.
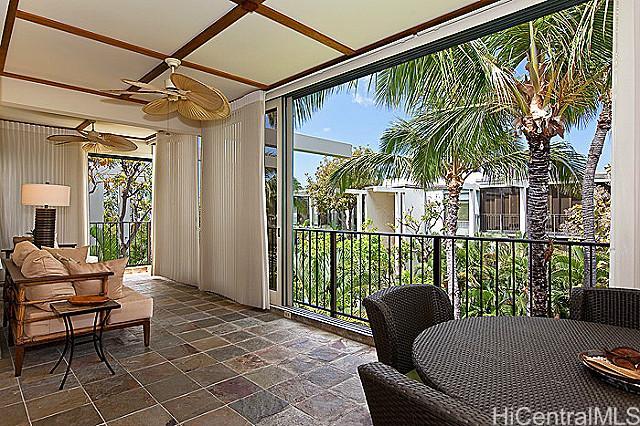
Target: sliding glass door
{"x": 273, "y": 192}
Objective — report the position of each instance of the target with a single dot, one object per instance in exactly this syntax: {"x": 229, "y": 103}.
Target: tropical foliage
{"x": 574, "y": 223}
{"x": 126, "y": 201}
{"x": 492, "y": 275}
{"x": 324, "y": 195}
{"x": 505, "y": 99}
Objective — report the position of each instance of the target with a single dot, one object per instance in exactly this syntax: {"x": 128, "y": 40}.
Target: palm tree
{"x": 528, "y": 75}
{"x": 448, "y": 145}
{"x": 555, "y": 93}
{"x": 594, "y": 45}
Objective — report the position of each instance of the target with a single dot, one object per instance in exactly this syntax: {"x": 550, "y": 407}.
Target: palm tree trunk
{"x": 537, "y": 217}
{"x": 588, "y": 203}
{"x": 451, "y": 227}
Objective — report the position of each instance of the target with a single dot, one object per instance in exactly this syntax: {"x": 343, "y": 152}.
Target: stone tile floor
{"x": 211, "y": 362}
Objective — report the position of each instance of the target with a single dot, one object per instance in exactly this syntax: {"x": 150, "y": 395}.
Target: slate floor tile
{"x": 259, "y": 405}
{"x": 233, "y": 389}
{"x": 192, "y": 405}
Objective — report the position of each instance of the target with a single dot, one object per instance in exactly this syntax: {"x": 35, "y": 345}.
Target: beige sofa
{"x": 32, "y": 326}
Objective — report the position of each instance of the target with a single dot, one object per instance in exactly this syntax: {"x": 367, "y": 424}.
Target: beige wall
{"x": 379, "y": 207}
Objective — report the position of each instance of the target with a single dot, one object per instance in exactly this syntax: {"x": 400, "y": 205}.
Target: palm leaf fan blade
{"x": 193, "y": 111}
{"x": 143, "y": 85}
{"x": 62, "y": 139}
{"x": 162, "y": 106}
{"x": 206, "y": 97}
{"x": 118, "y": 143}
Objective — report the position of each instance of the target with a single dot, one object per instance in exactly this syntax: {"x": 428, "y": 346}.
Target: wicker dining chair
{"x": 394, "y": 399}
{"x": 398, "y": 314}
{"x": 612, "y": 306}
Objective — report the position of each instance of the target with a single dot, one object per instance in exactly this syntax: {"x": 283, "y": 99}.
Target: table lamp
{"x": 46, "y": 196}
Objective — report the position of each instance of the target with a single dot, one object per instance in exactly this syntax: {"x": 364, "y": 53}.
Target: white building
{"x": 486, "y": 207}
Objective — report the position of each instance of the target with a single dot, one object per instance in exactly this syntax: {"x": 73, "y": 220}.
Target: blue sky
{"x": 355, "y": 119}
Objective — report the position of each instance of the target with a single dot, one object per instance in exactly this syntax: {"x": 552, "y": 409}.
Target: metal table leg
{"x": 66, "y": 346}
{"x": 69, "y": 342}
{"x": 69, "y": 327}
{"x": 97, "y": 339}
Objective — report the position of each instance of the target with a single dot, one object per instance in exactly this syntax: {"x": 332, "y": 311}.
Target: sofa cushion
{"x": 21, "y": 251}
{"x": 39, "y": 264}
{"x": 91, "y": 287}
{"x": 135, "y": 306}
{"x": 79, "y": 254}
{"x": 53, "y": 324}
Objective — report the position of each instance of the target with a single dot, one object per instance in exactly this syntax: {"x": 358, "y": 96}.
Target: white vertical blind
{"x": 233, "y": 242}
{"x": 175, "y": 208}
{"x": 26, "y": 157}
{"x": 625, "y": 148}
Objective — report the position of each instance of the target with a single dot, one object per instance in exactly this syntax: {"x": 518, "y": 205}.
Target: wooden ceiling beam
{"x": 68, "y": 87}
{"x": 297, "y": 26}
{"x": 7, "y": 31}
{"x": 84, "y": 124}
{"x": 211, "y": 31}
{"x": 80, "y": 32}
{"x": 387, "y": 40}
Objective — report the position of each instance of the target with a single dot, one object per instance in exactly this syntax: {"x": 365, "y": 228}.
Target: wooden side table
{"x": 66, "y": 311}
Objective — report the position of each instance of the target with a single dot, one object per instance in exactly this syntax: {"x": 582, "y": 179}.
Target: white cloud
{"x": 326, "y": 129}
{"x": 362, "y": 100}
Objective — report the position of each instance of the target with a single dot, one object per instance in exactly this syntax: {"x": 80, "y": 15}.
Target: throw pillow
{"x": 79, "y": 254}
{"x": 21, "y": 251}
{"x": 92, "y": 287}
{"x": 40, "y": 264}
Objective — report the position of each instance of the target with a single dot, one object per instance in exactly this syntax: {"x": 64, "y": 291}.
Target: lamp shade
{"x": 44, "y": 194}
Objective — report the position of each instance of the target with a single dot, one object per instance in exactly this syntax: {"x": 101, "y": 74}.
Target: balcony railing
{"x": 555, "y": 222}
{"x": 113, "y": 240}
{"x": 335, "y": 270}
{"x": 490, "y": 222}
{"x": 272, "y": 256}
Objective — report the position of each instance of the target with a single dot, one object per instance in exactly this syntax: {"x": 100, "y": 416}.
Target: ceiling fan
{"x": 189, "y": 97}
{"x": 95, "y": 140}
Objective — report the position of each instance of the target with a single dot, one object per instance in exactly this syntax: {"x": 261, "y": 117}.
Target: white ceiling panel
{"x": 121, "y": 129}
{"x": 4, "y": 6}
{"x": 262, "y": 50}
{"x": 231, "y": 89}
{"x": 161, "y": 25}
{"x": 37, "y": 117}
{"x": 45, "y": 53}
{"x": 57, "y": 120}
{"x": 358, "y": 23}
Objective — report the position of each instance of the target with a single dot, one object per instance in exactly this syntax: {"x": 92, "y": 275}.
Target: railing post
{"x": 148, "y": 226}
{"x": 437, "y": 245}
{"x": 333, "y": 266}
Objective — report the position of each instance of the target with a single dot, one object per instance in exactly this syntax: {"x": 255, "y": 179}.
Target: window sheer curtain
{"x": 233, "y": 243}
{"x": 175, "y": 208}
{"x": 26, "y": 157}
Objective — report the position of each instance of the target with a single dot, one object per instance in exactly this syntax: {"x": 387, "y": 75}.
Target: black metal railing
{"x": 490, "y": 222}
{"x": 555, "y": 222}
{"x": 335, "y": 270}
{"x": 114, "y": 240}
{"x": 272, "y": 256}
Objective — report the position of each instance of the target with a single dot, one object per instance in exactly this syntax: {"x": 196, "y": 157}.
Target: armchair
{"x": 398, "y": 314}
{"x": 613, "y": 306}
{"x": 393, "y": 399}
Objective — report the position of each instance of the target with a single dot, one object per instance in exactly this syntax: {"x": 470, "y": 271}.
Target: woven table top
{"x": 513, "y": 362}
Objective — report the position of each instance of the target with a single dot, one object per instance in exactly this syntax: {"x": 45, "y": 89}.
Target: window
{"x": 120, "y": 208}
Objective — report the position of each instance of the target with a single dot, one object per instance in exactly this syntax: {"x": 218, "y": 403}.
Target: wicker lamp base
{"x": 45, "y": 227}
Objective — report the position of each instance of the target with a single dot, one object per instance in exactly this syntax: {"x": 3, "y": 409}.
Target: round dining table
{"x": 502, "y": 364}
